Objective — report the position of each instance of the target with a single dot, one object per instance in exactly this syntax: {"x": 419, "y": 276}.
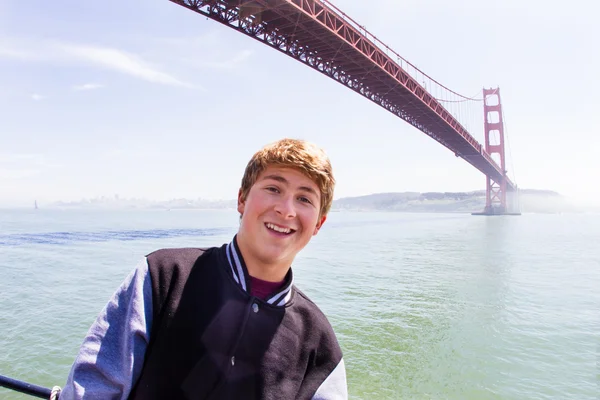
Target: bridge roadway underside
{"x": 317, "y": 36}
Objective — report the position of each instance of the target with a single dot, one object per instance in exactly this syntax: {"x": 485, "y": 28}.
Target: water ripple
{"x": 65, "y": 238}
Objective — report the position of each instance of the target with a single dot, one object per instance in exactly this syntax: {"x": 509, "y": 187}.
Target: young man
{"x": 225, "y": 322}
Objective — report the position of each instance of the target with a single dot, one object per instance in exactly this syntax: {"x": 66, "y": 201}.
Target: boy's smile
{"x": 279, "y": 229}
{"x": 279, "y": 216}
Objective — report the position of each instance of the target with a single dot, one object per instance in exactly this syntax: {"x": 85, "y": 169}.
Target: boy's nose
{"x": 285, "y": 207}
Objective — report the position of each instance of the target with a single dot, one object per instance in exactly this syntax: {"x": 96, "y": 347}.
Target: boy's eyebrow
{"x": 281, "y": 179}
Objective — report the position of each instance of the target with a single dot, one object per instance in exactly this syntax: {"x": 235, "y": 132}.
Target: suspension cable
{"x": 512, "y": 165}
{"x": 384, "y": 47}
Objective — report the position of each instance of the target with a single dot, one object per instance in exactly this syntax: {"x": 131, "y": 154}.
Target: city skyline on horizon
{"x": 117, "y": 198}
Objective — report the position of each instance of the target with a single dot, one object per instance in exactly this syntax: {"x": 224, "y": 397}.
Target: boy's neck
{"x": 269, "y": 273}
{"x": 260, "y": 270}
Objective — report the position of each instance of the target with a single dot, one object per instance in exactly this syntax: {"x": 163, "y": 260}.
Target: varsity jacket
{"x": 183, "y": 325}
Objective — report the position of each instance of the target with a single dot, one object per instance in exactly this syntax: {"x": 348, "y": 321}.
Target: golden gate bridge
{"x": 321, "y": 36}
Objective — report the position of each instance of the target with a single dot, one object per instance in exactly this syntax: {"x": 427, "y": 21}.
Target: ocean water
{"x": 426, "y": 306}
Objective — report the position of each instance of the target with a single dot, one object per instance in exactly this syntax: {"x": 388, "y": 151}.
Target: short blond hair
{"x": 293, "y": 153}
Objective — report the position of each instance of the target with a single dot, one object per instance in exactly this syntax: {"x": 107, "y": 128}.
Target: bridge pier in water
{"x": 500, "y": 199}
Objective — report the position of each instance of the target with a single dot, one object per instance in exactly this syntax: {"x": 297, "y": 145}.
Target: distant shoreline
{"x": 536, "y": 201}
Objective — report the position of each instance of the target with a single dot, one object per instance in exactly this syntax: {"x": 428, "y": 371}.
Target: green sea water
{"x": 425, "y": 306}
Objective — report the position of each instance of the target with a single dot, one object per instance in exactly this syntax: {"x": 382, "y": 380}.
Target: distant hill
{"x": 542, "y": 201}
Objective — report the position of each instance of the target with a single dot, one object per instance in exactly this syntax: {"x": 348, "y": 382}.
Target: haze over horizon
{"x": 167, "y": 104}
{"x": 532, "y": 199}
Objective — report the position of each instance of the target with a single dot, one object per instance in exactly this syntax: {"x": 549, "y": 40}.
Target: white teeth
{"x": 278, "y": 229}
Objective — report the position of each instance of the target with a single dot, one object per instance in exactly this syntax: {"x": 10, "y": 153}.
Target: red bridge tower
{"x": 496, "y": 202}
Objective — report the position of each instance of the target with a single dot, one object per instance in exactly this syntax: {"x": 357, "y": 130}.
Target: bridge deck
{"x": 315, "y": 34}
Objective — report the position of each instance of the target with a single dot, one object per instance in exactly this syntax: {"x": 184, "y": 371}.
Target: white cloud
{"x": 37, "y": 97}
{"x": 110, "y": 58}
{"x": 88, "y": 86}
{"x": 205, "y": 51}
{"x": 120, "y": 61}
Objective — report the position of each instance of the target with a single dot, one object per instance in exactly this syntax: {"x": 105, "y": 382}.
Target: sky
{"x": 147, "y": 99}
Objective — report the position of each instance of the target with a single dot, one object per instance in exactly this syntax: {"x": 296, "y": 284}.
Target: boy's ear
{"x": 240, "y": 203}
{"x": 320, "y": 224}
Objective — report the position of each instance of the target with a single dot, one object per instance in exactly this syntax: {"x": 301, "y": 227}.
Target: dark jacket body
{"x": 211, "y": 339}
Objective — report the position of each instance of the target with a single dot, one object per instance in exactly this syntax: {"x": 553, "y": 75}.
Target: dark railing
{"x": 29, "y": 388}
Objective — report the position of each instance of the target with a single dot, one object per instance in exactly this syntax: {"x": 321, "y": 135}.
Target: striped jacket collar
{"x": 242, "y": 278}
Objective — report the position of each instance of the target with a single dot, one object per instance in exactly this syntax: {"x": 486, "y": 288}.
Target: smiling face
{"x": 280, "y": 214}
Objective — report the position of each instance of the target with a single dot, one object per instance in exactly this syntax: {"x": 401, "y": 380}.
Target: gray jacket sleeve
{"x": 112, "y": 354}
{"x": 335, "y": 386}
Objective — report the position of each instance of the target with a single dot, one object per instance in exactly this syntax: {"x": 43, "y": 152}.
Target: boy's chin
{"x": 276, "y": 254}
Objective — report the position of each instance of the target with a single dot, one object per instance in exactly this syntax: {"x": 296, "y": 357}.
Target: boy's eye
{"x": 272, "y": 189}
{"x": 304, "y": 199}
